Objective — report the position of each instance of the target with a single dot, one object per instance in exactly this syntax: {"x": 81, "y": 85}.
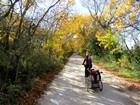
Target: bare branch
{"x": 45, "y": 15}
{"x": 9, "y": 10}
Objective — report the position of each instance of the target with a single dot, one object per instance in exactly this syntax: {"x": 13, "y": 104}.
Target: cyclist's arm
{"x": 84, "y": 61}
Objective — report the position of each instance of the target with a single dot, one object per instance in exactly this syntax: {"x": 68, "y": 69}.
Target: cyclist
{"x": 88, "y": 65}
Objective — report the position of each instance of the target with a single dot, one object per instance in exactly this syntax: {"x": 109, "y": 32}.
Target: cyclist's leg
{"x": 86, "y": 71}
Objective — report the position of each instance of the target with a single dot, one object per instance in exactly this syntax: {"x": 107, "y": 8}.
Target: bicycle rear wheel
{"x": 100, "y": 85}
{"x": 87, "y": 83}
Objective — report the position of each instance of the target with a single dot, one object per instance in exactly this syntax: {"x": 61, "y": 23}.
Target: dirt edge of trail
{"x": 131, "y": 83}
{"x": 38, "y": 88}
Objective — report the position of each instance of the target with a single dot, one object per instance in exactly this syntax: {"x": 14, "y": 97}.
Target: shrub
{"x": 123, "y": 61}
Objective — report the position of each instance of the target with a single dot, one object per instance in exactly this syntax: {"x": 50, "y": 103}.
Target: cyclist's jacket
{"x": 87, "y": 61}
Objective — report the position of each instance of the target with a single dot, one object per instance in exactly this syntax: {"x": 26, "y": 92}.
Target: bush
{"x": 14, "y": 92}
{"x": 123, "y": 61}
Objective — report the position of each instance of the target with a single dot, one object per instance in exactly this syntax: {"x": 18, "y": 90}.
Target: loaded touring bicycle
{"x": 94, "y": 81}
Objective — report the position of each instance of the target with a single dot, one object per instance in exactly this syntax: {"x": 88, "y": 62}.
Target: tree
{"x": 115, "y": 16}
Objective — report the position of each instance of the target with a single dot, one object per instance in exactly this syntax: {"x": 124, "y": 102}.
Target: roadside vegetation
{"x": 32, "y": 42}
{"x": 114, "y": 38}
{"x": 131, "y": 70}
{"x": 38, "y": 36}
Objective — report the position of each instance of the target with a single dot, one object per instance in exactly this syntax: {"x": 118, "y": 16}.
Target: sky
{"x": 79, "y": 8}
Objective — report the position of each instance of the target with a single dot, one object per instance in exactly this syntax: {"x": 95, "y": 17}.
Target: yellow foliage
{"x": 108, "y": 11}
{"x": 117, "y": 20}
{"x": 119, "y": 10}
{"x": 16, "y": 23}
{"x": 28, "y": 1}
{"x": 123, "y": 61}
{"x": 73, "y": 24}
{"x": 120, "y": 25}
{"x": 99, "y": 34}
{"x": 130, "y": 2}
{"x": 70, "y": 1}
{"x": 120, "y": 7}
{"x": 11, "y": 39}
{"x": 1, "y": 38}
{"x": 114, "y": 1}
{"x": 132, "y": 15}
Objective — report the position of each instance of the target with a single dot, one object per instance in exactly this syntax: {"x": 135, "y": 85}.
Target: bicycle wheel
{"x": 87, "y": 83}
{"x": 100, "y": 85}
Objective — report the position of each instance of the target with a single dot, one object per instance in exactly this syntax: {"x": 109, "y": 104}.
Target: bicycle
{"x": 94, "y": 81}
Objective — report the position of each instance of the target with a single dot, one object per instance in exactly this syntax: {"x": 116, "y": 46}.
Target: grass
{"x": 114, "y": 66}
{"x": 131, "y": 74}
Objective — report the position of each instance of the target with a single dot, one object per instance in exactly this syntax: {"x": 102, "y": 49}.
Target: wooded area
{"x": 37, "y": 36}
{"x": 115, "y": 34}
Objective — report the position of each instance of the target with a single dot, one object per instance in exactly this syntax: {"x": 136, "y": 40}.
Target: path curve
{"x": 68, "y": 88}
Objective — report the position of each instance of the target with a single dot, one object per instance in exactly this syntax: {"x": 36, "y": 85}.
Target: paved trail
{"x": 69, "y": 89}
